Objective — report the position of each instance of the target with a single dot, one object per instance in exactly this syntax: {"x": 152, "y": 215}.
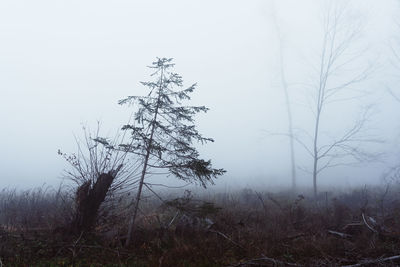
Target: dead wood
{"x": 339, "y": 234}
{"x": 366, "y": 224}
{"x": 89, "y": 199}
{"x": 381, "y": 260}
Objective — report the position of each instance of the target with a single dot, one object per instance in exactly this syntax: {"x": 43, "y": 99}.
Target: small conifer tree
{"x": 163, "y": 133}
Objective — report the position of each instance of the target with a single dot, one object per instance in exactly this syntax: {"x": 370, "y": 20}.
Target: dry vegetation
{"x": 245, "y": 228}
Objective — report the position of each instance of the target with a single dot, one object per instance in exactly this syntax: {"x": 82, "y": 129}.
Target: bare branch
{"x": 396, "y": 97}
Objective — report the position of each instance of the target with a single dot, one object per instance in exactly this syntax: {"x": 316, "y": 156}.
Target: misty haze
{"x": 200, "y": 133}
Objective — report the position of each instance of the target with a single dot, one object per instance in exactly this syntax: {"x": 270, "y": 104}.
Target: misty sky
{"x": 64, "y": 64}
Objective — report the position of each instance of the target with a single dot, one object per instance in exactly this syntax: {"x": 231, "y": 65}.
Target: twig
{"x": 393, "y": 95}
{"x": 275, "y": 202}
{"x": 79, "y": 238}
{"x": 168, "y": 186}
{"x": 227, "y": 238}
{"x": 262, "y": 201}
{"x": 157, "y": 195}
{"x": 374, "y": 261}
{"x": 72, "y": 248}
{"x": 173, "y": 219}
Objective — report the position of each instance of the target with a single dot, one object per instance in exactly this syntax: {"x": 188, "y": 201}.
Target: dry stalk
{"x": 227, "y": 238}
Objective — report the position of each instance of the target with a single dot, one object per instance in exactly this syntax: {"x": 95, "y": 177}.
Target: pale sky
{"x": 64, "y": 64}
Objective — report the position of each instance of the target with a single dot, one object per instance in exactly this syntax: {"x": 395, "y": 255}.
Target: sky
{"x": 65, "y": 65}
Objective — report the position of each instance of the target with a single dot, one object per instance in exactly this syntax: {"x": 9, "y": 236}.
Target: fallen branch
{"x": 366, "y": 224}
{"x": 366, "y": 262}
{"x": 342, "y": 235}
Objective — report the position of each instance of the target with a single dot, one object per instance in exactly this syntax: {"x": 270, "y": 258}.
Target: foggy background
{"x": 65, "y": 64}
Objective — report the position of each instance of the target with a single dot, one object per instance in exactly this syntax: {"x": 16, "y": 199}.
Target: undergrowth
{"x": 236, "y": 229}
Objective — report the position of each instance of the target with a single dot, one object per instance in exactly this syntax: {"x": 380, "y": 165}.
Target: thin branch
{"x": 397, "y": 98}
{"x": 227, "y": 238}
{"x": 297, "y": 139}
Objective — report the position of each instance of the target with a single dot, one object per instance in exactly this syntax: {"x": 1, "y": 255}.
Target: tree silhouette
{"x": 163, "y": 133}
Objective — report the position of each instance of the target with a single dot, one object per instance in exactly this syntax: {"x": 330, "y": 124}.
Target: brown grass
{"x": 241, "y": 229}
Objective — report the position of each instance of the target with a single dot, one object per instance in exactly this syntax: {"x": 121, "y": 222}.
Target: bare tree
{"x": 336, "y": 82}
{"x": 394, "y": 172}
{"x": 285, "y": 88}
{"x": 395, "y": 47}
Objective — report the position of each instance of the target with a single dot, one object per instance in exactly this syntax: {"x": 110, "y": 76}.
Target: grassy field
{"x": 245, "y": 228}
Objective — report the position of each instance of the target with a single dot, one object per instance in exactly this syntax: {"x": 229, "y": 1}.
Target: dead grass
{"x": 241, "y": 229}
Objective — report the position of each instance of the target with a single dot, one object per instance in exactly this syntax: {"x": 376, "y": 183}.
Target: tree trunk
{"x": 290, "y": 123}
{"x": 137, "y": 200}
{"x": 287, "y": 100}
{"x": 315, "y": 177}
{"x": 88, "y": 203}
{"x": 315, "y": 151}
{"x": 131, "y": 225}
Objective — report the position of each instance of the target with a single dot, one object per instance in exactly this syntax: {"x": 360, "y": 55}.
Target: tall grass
{"x": 216, "y": 229}
{"x": 43, "y": 207}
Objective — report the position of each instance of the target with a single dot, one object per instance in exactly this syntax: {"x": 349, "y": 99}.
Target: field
{"x": 244, "y": 228}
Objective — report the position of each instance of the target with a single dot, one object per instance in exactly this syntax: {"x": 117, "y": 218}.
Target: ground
{"x": 246, "y": 228}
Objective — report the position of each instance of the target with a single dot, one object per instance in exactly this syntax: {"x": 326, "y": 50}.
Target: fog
{"x": 65, "y": 64}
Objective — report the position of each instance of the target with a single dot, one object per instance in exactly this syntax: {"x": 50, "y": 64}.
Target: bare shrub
{"x": 103, "y": 176}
